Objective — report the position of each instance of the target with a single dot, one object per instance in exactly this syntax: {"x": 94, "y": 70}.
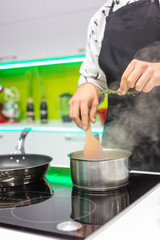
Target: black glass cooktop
{"x": 52, "y": 207}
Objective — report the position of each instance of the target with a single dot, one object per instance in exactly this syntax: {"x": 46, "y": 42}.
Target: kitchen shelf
{"x": 56, "y": 126}
{"x": 42, "y": 62}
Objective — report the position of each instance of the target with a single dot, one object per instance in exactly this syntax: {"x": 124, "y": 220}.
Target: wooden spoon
{"x": 92, "y": 148}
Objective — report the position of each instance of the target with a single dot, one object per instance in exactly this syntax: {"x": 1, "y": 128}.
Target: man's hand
{"x": 143, "y": 76}
{"x": 85, "y": 98}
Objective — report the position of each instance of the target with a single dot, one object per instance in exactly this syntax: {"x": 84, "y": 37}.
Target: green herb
{"x": 109, "y": 91}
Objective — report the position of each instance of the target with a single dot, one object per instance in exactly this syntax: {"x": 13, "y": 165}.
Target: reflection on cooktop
{"x": 41, "y": 207}
{"x": 107, "y": 205}
{"x": 25, "y": 195}
{"x": 55, "y": 210}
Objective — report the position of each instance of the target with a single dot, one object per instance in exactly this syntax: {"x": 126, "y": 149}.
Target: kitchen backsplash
{"x": 48, "y": 81}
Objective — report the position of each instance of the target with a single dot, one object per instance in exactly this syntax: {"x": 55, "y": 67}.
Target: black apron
{"x": 132, "y": 122}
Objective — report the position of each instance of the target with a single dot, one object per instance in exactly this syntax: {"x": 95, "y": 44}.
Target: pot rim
{"x": 127, "y": 154}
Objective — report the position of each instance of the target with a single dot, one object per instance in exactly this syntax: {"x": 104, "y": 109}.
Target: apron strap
{"x": 158, "y": 2}
{"x": 111, "y": 9}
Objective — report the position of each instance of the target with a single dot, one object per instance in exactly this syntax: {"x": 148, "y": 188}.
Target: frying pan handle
{"x": 19, "y": 148}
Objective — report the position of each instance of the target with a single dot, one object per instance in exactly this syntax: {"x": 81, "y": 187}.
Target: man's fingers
{"x": 143, "y": 80}
{"x": 149, "y": 85}
{"x": 133, "y": 77}
{"x": 93, "y": 111}
{"x": 85, "y": 98}
{"x": 84, "y": 115}
{"x": 124, "y": 85}
{"x": 75, "y": 113}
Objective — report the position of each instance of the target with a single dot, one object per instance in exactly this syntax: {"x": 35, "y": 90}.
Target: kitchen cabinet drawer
{"x": 58, "y": 145}
{"x": 63, "y": 41}
{"x": 43, "y": 29}
{"x": 22, "y": 40}
{"x": 18, "y": 10}
{"x": 8, "y": 141}
{"x": 70, "y": 6}
{"x": 73, "y": 19}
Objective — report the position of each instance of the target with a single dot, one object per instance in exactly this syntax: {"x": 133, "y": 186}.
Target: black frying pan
{"x": 21, "y": 168}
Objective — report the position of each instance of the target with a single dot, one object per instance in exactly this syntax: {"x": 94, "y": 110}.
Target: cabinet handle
{"x": 74, "y": 138}
{"x": 68, "y": 138}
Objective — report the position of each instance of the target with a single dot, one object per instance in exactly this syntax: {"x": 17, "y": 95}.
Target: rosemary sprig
{"x": 109, "y": 91}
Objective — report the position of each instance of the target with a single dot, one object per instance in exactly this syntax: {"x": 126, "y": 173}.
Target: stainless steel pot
{"x": 100, "y": 175}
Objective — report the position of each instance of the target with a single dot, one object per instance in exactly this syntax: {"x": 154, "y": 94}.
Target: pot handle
{"x": 19, "y": 148}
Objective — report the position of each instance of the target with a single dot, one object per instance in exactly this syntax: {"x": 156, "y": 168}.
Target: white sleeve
{"x": 90, "y": 70}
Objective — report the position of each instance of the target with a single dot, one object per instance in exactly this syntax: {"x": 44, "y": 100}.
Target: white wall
{"x": 32, "y": 29}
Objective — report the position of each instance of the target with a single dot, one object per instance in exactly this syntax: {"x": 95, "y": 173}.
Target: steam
{"x": 134, "y": 124}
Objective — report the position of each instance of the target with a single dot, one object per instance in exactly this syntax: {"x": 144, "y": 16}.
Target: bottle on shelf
{"x": 1, "y": 87}
{"x": 30, "y": 111}
{"x": 43, "y": 111}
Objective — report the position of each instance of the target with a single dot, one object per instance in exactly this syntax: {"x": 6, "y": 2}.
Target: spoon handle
{"x": 89, "y": 131}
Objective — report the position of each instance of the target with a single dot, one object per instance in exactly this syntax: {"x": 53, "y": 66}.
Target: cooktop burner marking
{"x": 69, "y": 226}
{"x": 38, "y": 213}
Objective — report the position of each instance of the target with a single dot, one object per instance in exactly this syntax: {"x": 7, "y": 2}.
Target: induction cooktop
{"x": 54, "y": 208}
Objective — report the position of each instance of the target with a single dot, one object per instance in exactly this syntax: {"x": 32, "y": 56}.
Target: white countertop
{"x": 140, "y": 221}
